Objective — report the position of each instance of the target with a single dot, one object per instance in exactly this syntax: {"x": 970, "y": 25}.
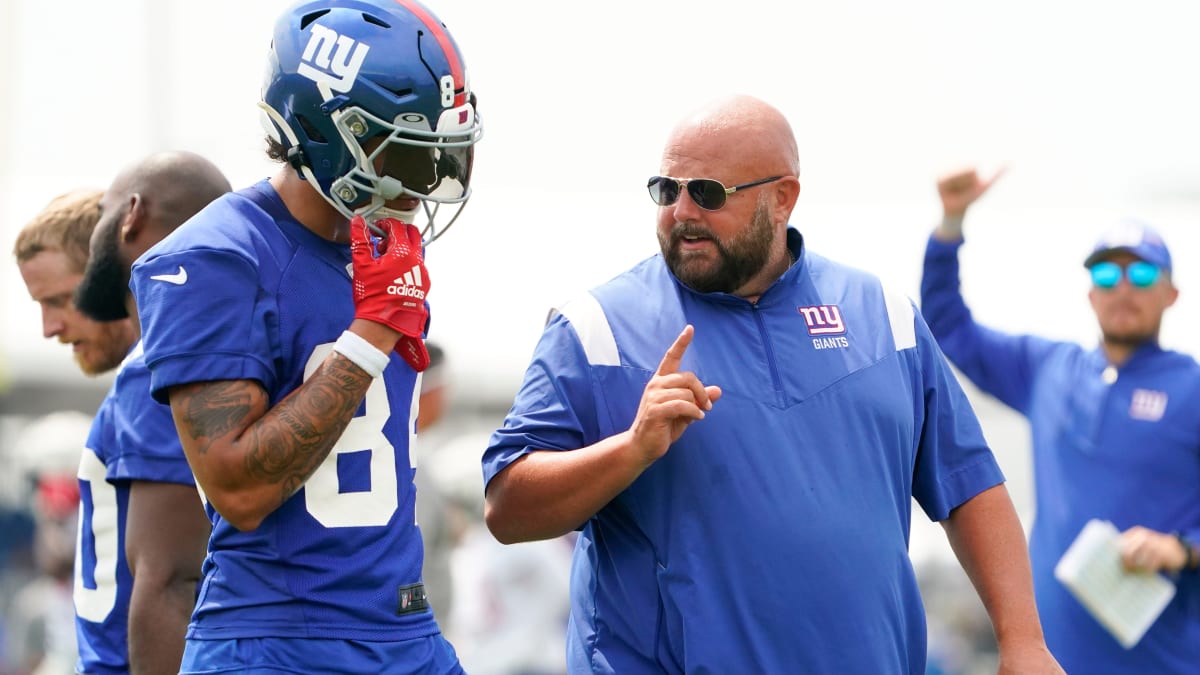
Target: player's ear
{"x": 134, "y": 221}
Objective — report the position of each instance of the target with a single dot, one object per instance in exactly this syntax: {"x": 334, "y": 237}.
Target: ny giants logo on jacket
{"x": 826, "y": 326}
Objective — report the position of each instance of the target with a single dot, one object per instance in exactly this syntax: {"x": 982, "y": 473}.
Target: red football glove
{"x": 391, "y": 282}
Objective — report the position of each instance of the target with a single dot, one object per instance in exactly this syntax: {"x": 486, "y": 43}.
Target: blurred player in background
{"x": 144, "y": 529}
{"x": 745, "y": 498}
{"x": 1115, "y": 433}
{"x": 432, "y": 507}
{"x": 504, "y": 607}
{"x": 51, "y": 252}
{"x": 511, "y": 602}
{"x": 40, "y": 623}
{"x": 285, "y": 326}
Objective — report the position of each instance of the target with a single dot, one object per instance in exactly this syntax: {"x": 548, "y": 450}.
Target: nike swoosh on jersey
{"x": 179, "y": 278}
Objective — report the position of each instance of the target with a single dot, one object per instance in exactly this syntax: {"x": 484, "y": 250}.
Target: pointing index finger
{"x": 674, "y": 356}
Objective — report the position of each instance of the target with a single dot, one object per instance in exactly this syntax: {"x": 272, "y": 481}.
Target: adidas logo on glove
{"x": 408, "y": 285}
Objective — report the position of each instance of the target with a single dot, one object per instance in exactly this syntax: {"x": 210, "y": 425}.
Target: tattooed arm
{"x": 249, "y": 459}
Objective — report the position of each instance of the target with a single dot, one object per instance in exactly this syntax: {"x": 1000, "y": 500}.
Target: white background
{"x": 1093, "y": 106}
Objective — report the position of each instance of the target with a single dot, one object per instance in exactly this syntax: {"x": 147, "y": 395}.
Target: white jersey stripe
{"x": 900, "y": 315}
{"x": 587, "y": 318}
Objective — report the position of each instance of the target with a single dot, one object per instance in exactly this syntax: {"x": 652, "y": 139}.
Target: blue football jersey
{"x": 132, "y": 438}
{"x": 243, "y": 291}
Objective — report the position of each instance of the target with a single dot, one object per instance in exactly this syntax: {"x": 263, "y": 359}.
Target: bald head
{"x": 741, "y": 132}
{"x": 145, "y": 202}
{"x": 736, "y": 241}
{"x": 172, "y": 185}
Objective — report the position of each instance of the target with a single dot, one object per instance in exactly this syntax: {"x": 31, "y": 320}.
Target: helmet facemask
{"x": 406, "y": 158}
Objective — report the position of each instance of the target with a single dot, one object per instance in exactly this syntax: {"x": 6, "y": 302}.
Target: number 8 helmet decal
{"x": 371, "y": 103}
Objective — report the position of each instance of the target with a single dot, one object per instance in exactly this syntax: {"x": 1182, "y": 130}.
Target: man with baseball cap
{"x": 1114, "y": 432}
{"x": 1134, "y": 237}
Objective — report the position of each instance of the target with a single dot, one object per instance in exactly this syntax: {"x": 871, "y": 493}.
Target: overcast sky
{"x": 1091, "y": 105}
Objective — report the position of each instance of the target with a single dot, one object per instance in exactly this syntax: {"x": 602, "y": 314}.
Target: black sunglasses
{"x": 708, "y": 194}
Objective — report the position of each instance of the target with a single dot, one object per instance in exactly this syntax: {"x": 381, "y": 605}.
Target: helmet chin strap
{"x": 384, "y": 212}
{"x": 389, "y": 188}
{"x": 430, "y": 230}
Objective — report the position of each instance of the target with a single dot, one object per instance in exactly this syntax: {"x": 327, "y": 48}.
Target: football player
{"x": 51, "y": 252}
{"x": 285, "y": 326}
{"x": 143, "y": 530}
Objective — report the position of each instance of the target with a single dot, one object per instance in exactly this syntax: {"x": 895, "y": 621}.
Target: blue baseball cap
{"x": 1135, "y": 237}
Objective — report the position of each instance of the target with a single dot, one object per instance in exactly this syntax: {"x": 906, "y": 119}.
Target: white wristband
{"x": 364, "y": 354}
{"x": 950, "y": 229}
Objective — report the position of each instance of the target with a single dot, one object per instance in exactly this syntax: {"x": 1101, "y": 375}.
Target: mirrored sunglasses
{"x": 1140, "y": 274}
{"x": 707, "y": 193}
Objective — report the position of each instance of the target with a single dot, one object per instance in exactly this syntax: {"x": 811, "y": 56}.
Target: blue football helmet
{"x": 371, "y": 101}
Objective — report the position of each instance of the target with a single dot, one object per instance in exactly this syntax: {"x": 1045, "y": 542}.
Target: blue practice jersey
{"x": 772, "y": 537}
{"x": 132, "y": 439}
{"x": 244, "y": 292}
{"x": 1125, "y": 450}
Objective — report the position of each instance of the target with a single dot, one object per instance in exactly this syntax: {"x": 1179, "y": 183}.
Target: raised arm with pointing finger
{"x": 744, "y": 495}
{"x": 581, "y": 483}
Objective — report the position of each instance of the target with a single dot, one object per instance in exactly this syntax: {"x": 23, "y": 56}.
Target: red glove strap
{"x": 414, "y": 352}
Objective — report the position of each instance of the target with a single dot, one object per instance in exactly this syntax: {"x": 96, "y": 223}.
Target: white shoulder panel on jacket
{"x": 591, "y": 325}
{"x": 900, "y": 315}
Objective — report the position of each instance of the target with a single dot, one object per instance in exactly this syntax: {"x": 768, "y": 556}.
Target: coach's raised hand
{"x": 390, "y": 284}
{"x": 670, "y": 402}
{"x": 958, "y": 190}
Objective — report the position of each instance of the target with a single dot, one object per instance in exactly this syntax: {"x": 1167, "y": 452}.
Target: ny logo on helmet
{"x": 332, "y": 59}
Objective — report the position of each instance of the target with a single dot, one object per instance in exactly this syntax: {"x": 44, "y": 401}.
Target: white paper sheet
{"x": 1126, "y": 603}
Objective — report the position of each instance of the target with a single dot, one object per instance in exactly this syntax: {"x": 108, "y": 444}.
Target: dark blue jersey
{"x": 772, "y": 537}
{"x": 244, "y": 292}
{"x": 132, "y": 438}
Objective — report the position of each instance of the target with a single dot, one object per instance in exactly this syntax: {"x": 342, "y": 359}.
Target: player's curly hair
{"x": 65, "y": 224}
{"x": 275, "y": 151}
